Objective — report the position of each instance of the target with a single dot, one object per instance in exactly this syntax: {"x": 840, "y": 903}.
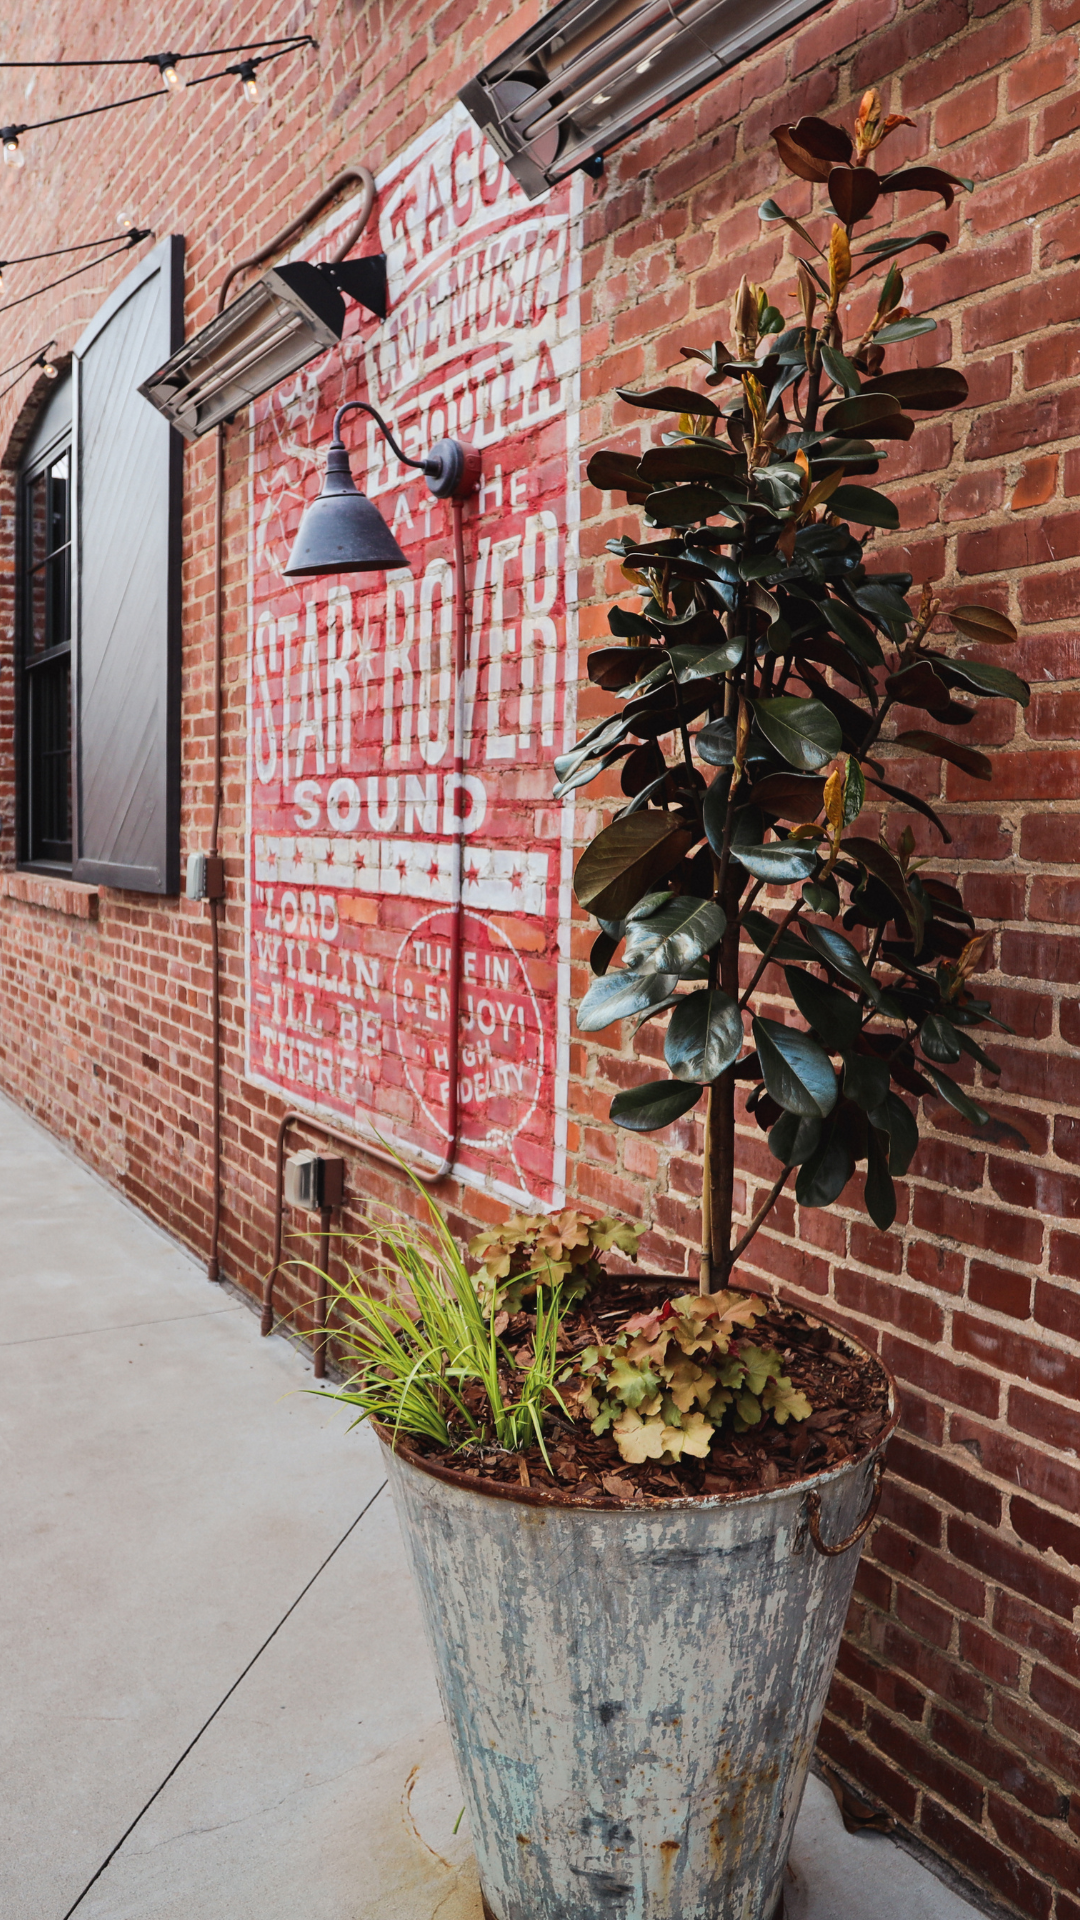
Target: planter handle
{"x": 813, "y": 1509}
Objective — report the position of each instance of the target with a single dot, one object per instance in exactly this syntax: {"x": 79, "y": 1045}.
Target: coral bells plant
{"x": 671, "y": 1376}
{"x": 770, "y": 676}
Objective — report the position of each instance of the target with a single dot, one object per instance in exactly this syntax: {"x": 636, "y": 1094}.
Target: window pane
{"x": 37, "y": 540}
{"x": 50, "y": 761}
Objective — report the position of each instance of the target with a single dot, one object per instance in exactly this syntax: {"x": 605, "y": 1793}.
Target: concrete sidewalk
{"x": 205, "y": 1608}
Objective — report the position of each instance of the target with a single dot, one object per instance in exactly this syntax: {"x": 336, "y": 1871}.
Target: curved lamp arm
{"x": 451, "y": 469}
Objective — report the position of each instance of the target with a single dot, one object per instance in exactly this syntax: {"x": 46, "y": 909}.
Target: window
{"x": 98, "y": 603}
{"x": 44, "y": 639}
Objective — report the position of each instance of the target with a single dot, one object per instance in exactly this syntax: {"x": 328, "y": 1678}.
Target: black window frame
{"x": 36, "y": 854}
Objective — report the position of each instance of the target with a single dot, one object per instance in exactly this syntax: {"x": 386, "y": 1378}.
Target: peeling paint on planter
{"x": 633, "y": 1695}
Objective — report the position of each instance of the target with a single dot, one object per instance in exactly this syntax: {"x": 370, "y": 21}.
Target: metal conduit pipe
{"x": 427, "y": 1174}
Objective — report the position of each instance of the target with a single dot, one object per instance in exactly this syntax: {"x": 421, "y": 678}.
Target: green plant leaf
{"x": 956, "y": 1097}
{"x": 939, "y": 748}
{"x": 803, "y": 732}
{"x": 865, "y": 506}
{"x": 697, "y": 663}
{"x": 790, "y": 796}
{"x": 997, "y": 682}
{"x": 615, "y": 472}
{"x": 884, "y": 867}
{"x": 834, "y": 1016}
{"x": 794, "y": 1138}
{"x": 797, "y": 1071}
{"x": 778, "y": 862}
{"x": 620, "y": 994}
{"x": 905, "y": 330}
{"x": 842, "y": 957}
{"x": 762, "y": 930}
{"x": 627, "y": 859}
{"x": 840, "y": 369}
{"x": 602, "y": 953}
{"x": 822, "y": 1178}
{"x": 861, "y": 414}
{"x": 692, "y": 460}
{"x": 715, "y": 744}
{"x": 895, "y": 1118}
{"x": 878, "y": 1190}
{"x": 653, "y": 1104}
{"x": 866, "y": 1081}
{"x": 821, "y": 896}
{"x": 677, "y": 934}
{"x": 924, "y": 388}
{"x": 704, "y": 1036}
{"x": 683, "y": 506}
{"x": 856, "y": 632}
{"x": 939, "y": 1039}
{"x": 671, "y": 400}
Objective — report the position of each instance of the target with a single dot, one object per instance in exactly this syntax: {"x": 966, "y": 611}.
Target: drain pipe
{"x": 352, "y": 176}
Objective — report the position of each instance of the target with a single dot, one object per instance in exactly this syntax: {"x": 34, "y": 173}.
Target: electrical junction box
{"x": 205, "y": 877}
{"x": 314, "y": 1180}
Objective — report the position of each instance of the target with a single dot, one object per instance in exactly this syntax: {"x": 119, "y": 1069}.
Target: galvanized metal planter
{"x": 633, "y": 1694}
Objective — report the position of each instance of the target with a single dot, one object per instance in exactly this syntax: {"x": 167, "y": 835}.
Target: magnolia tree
{"x": 762, "y": 677}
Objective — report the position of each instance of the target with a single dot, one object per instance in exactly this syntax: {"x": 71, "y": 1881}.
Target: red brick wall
{"x": 957, "y": 1702}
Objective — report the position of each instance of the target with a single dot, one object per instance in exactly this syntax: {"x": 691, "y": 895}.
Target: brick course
{"x": 956, "y": 1703}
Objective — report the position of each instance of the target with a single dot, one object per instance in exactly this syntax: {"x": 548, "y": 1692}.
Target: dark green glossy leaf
{"x": 912, "y": 800}
{"x": 627, "y": 859}
{"x": 793, "y": 1139}
{"x": 835, "y": 1018}
{"x": 865, "y": 506}
{"x": 822, "y": 897}
{"x": 956, "y": 1097}
{"x": 683, "y": 506}
{"x": 617, "y": 667}
{"x": 715, "y": 744}
{"x": 616, "y": 472}
{"x": 778, "y": 862}
{"x": 626, "y": 625}
{"x": 655, "y": 1103}
{"x": 924, "y": 388}
{"x": 853, "y": 630}
{"x": 677, "y": 934}
{"x": 692, "y": 460}
{"x": 997, "y": 682}
{"x": 878, "y": 1190}
{"x": 895, "y": 1118}
{"x": 704, "y": 1036}
{"x": 919, "y": 686}
{"x": 602, "y": 953}
{"x": 840, "y": 369}
{"x": 842, "y": 957}
{"x": 790, "y": 796}
{"x": 884, "y": 867}
{"x": 706, "y": 663}
{"x": 905, "y": 330}
{"x": 863, "y": 413}
{"x": 823, "y": 1177}
{"x": 797, "y": 1071}
{"x": 972, "y": 1048}
{"x": 940, "y": 748}
{"x": 671, "y": 400}
{"x": 939, "y": 1039}
{"x": 803, "y": 732}
{"x": 620, "y": 994}
{"x": 881, "y": 249}
{"x": 866, "y": 1081}
{"x": 762, "y": 930}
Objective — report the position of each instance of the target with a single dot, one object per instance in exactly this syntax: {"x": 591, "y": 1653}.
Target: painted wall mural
{"x": 353, "y": 806}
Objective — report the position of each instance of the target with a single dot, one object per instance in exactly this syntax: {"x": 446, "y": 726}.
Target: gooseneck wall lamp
{"x": 343, "y": 532}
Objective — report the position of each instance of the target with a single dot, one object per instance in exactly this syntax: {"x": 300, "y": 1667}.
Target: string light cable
{"x": 168, "y": 66}
{"x": 39, "y": 357}
{"x": 130, "y": 239}
{"x": 130, "y": 236}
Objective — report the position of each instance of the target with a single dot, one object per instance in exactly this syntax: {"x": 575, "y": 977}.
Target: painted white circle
{"x": 497, "y": 998}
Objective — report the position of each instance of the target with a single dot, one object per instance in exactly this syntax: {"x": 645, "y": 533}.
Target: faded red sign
{"x": 353, "y": 806}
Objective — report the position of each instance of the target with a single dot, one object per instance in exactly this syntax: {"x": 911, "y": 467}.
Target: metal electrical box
{"x": 314, "y": 1180}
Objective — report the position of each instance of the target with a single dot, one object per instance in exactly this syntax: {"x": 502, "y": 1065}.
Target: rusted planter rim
{"x": 564, "y": 1501}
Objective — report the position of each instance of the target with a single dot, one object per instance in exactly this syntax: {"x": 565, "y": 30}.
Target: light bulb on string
{"x": 248, "y": 81}
{"x": 170, "y": 75}
{"x": 50, "y": 371}
{"x": 13, "y": 154}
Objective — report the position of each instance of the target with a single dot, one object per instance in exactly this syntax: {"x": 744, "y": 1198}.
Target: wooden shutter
{"x": 126, "y": 626}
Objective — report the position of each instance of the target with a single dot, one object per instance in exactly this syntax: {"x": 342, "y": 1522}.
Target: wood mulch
{"x": 848, "y": 1391}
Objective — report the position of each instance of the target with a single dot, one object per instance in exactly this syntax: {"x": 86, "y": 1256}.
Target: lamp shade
{"x": 341, "y": 531}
